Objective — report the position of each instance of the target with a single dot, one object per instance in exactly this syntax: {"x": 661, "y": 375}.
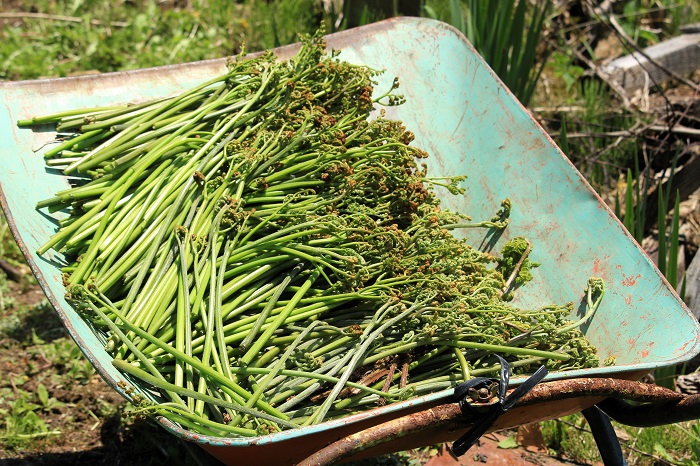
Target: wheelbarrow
{"x": 471, "y": 124}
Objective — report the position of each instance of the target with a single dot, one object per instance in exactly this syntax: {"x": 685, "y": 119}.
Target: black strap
{"x": 605, "y": 437}
{"x": 484, "y": 399}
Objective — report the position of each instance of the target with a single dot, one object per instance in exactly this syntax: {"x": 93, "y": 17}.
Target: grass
{"x": 133, "y": 35}
{"x": 571, "y": 438}
{"x": 600, "y": 157}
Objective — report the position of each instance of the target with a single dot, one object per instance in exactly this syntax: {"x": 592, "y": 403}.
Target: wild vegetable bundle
{"x": 268, "y": 256}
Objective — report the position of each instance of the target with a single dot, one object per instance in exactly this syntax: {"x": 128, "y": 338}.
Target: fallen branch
{"x": 70, "y": 19}
{"x": 11, "y": 272}
{"x": 678, "y": 129}
{"x": 562, "y": 109}
{"x": 605, "y": 78}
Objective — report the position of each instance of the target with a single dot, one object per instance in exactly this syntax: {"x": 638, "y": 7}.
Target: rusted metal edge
{"x": 450, "y": 414}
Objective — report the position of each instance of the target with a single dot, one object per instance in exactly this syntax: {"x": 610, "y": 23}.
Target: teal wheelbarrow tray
{"x": 471, "y": 124}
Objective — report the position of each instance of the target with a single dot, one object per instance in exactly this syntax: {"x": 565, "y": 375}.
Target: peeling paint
{"x": 630, "y": 280}
{"x": 596, "y": 266}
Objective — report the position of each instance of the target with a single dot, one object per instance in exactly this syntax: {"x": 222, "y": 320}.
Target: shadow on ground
{"x": 141, "y": 443}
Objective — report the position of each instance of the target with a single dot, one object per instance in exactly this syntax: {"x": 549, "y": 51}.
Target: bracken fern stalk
{"x": 268, "y": 256}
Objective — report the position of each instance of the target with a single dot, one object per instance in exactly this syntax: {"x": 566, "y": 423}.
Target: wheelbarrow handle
{"x": 652, "y": 414}
{"x": 546, "y": 392}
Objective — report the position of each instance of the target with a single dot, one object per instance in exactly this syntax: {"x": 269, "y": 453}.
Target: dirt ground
{"x": 35, "y": 349}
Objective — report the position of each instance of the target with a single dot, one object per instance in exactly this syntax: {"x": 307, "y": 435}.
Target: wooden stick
{"x": 516, "y": 269}
{"x": 11, "y": 272}
{"x": 70, "y": 19}
{"x": 604, "y": 77}
{"x": 678, "y": 129}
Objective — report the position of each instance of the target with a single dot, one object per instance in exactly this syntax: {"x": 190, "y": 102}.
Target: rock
{"x": 688, "y": 384}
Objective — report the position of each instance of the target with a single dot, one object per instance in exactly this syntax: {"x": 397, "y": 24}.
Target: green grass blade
{"x": 672, "y": 272}
{"x": 517, "y": 75}
{"x": 501, "y": 40}
{"x": 457, "y": 16}
{"x": 666, "y": 377}
{"x": 681, "y": 293}
{"x": 629, "y": 204}
{"x": 642, "y": 197}
{"x": 672, "y": 172}
{"x": 638, "y": 212}
{"x": 661, "y": 222}
{"x": 564, "y": 138}
{"x": 507, "y": 34}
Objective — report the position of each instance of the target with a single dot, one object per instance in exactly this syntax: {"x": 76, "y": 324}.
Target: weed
{"x": 564, "y": 69}
{"x": 600, "y": 148}
{"x": 633, "y": 16}
{"x": 570, "y": 436}
{"x": 7, "y": 301}
{"x": 26, "y": 323}
{"x": 675, "y": 444}
{"x": 8, "y": 247}
{"x": 67, "y": 359}
{"x": 693, "y": 432}
{"x": 131, "y": 35}
{"x": 19, "y": 421}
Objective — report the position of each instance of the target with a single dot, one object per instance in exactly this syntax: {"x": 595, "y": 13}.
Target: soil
{"x": 487, "y": 452}
{"x": 86, "y": 411}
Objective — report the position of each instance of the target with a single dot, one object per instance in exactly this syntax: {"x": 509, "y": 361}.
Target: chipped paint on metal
{"x": 630, "y": 280}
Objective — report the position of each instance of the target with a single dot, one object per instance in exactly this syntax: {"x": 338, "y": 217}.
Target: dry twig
{"x": 70, "y": 19}
{"x": 11, "y": 272}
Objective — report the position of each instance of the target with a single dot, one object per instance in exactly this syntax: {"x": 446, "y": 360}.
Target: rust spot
{"x": 630, "y": 281}
{"x": 628, "y": 299}
{"x": 552, "y": 226}
{"x": 645, "y": 353}
{"x": 632, "y": 341}
{"x": 596, "y": 266}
